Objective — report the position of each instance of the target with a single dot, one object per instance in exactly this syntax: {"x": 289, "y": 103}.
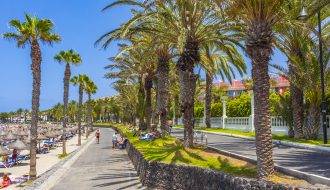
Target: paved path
{"x": 101, "y": 167}
{"x": 304, "y": 160}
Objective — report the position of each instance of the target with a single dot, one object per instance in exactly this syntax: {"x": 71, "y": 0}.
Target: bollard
{"x": 206, "y": 139}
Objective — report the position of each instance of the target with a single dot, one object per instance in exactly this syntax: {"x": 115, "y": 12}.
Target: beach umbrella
{"x": 51, "y": 134}
{"x": 3, "y": 133}
{"x": 21, "y": 133}
{"x": 41, "y": 137}
{"x": 18, "y": 145}
{"x": 10, "y": 136}
{"x": 24, "y": 153}
{"x": 4, "y": 151}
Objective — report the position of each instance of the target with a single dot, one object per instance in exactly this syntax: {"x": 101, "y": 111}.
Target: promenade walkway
{"x": 101, "y": 167}
{"x": 308, "y": 161}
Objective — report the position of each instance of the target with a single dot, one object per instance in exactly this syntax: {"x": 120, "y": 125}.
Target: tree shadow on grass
{"x": 247, "y": 170}
{"x": 194, "y": 155}
{"x": 162, "y": 153}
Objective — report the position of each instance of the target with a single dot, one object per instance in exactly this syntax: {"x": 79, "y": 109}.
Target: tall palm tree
{"x": 80, "y": 80}
{"x": 31, "y": 32}
{"x": 68, "y": 57}
{"x": 220, "y": 60}
{"x": 90, "y": 88}
{"x": 187, "y": 25}
{"x": 258, "y": 18}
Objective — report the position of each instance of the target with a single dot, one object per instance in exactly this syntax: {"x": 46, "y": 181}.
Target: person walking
{"x": 97, "y": 135}
{"x": 114, "y": 140}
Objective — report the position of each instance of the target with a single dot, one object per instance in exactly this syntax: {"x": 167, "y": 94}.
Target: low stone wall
{"x": 178, "y": 176}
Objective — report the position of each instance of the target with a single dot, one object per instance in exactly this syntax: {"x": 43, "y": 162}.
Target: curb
{"x": 311, "y": 178}
{"x": 278, "y": 142}
{"x": 48, "y": 179}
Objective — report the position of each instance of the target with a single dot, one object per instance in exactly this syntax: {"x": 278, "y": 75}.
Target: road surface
{"x": 304, "y": 160}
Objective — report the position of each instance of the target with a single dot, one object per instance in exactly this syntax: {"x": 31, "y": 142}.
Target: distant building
{"x": 280, "y": 85}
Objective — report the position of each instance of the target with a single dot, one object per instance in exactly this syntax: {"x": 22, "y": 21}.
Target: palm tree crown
{"x": 33, "y": 29}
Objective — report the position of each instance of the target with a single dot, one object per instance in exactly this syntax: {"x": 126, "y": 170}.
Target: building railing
{"x": 278, "y": 124}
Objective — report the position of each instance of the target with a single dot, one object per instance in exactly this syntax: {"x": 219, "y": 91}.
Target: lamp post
{"x": 224, "y": 114}
{"x": 304, "y": 15}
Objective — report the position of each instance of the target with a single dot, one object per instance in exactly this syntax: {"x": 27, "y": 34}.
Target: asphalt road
{"x": 304, "y": 160}
{"x": 101, "y": 167}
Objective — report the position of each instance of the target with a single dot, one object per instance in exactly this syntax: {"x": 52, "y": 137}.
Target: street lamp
{"x": 303, "y": 16}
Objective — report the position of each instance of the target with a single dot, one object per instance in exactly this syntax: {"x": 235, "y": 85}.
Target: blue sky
{"x": 80, "y": 23}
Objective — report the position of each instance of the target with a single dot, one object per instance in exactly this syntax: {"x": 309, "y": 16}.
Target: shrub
{"x": 60, "y": 156}
{"x": 239, "y": 106}
{"x": 198, "y": 111}
{"x": 216, "y": 110}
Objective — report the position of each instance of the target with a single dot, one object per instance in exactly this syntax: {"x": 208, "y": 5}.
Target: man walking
{"x": 97, "y": 135}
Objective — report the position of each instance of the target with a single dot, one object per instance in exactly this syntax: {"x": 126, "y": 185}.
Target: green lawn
{"x": 101, "y": 124}
{"x": 171, "y": 150}
{"x": 252, "y": 134}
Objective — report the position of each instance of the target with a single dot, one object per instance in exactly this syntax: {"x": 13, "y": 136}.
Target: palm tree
{"x": 220, "y": 60}
{"x": 187, "y": 25}
{"x": 57, "y": 112}
{"x": 72, "y": 110}
{"x": 32, "y": 32}
{"x": 90, "y": 88}
{"x": 69, "y": 57}
{"x": 81, "y": 81}
{"x": 257, "y": 18}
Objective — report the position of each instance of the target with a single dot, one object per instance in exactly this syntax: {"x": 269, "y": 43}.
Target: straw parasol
{"x": 4, "y": 151}
{"x": 40, "y": 138}
{"x": 10, "y": 136}
{"x": 21, "y": 133}
{"x": 51, "y": 134}
{"x": 3, "y": 133}
{"x": 18, "y": 145}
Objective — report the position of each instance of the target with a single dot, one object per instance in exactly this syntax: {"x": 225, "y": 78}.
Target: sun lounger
{"x": 23, "y": 157}
{"x": 6, "y": 165}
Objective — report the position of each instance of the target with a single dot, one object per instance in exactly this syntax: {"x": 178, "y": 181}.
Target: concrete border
{"x": 311, "y": 178}
{"x": 284, "y": 143}
{"x": 48, "y": 179}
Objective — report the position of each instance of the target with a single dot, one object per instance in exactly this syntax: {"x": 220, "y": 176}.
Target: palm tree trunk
{"x": 147, "y": 87}
{"x": 185, "y": 66}
{"x": 141, "y": 105}
{"x": 79, "y": 113}
{"x": 259, "y": 48}
{"x": 66, "y": 81}
{"x": 176, "y": 109}
{"x": 89, "y": 113}
{"x": 36, "y": 71}
{"x": 208, "y": 100}
{"x": 297, "y": 98}
{"x": 163, "y": 69}
{"x": 312, "y": 127}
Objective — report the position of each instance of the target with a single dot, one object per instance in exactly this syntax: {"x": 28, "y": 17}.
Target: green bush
{"x": 60, "y": 156}
{"x": 216, "y": 110}
{"x": 274, "y": 100}
{"x": 239, "y": 106}
{"x": 198, "y": 111}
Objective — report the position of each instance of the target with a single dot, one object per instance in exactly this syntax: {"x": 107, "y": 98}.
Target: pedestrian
{"x": 97, "y": 135}
{"x": 14, "y": 156}
{"x": 5, "y": 181}
{"x": 114, "y": 140}
{"x": 169, "y": 125}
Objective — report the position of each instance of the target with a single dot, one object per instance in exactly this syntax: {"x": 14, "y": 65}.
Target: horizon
{"x": 79, "y": 23}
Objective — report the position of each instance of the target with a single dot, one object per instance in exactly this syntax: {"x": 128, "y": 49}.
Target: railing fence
{"x": 279, "y": 125}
